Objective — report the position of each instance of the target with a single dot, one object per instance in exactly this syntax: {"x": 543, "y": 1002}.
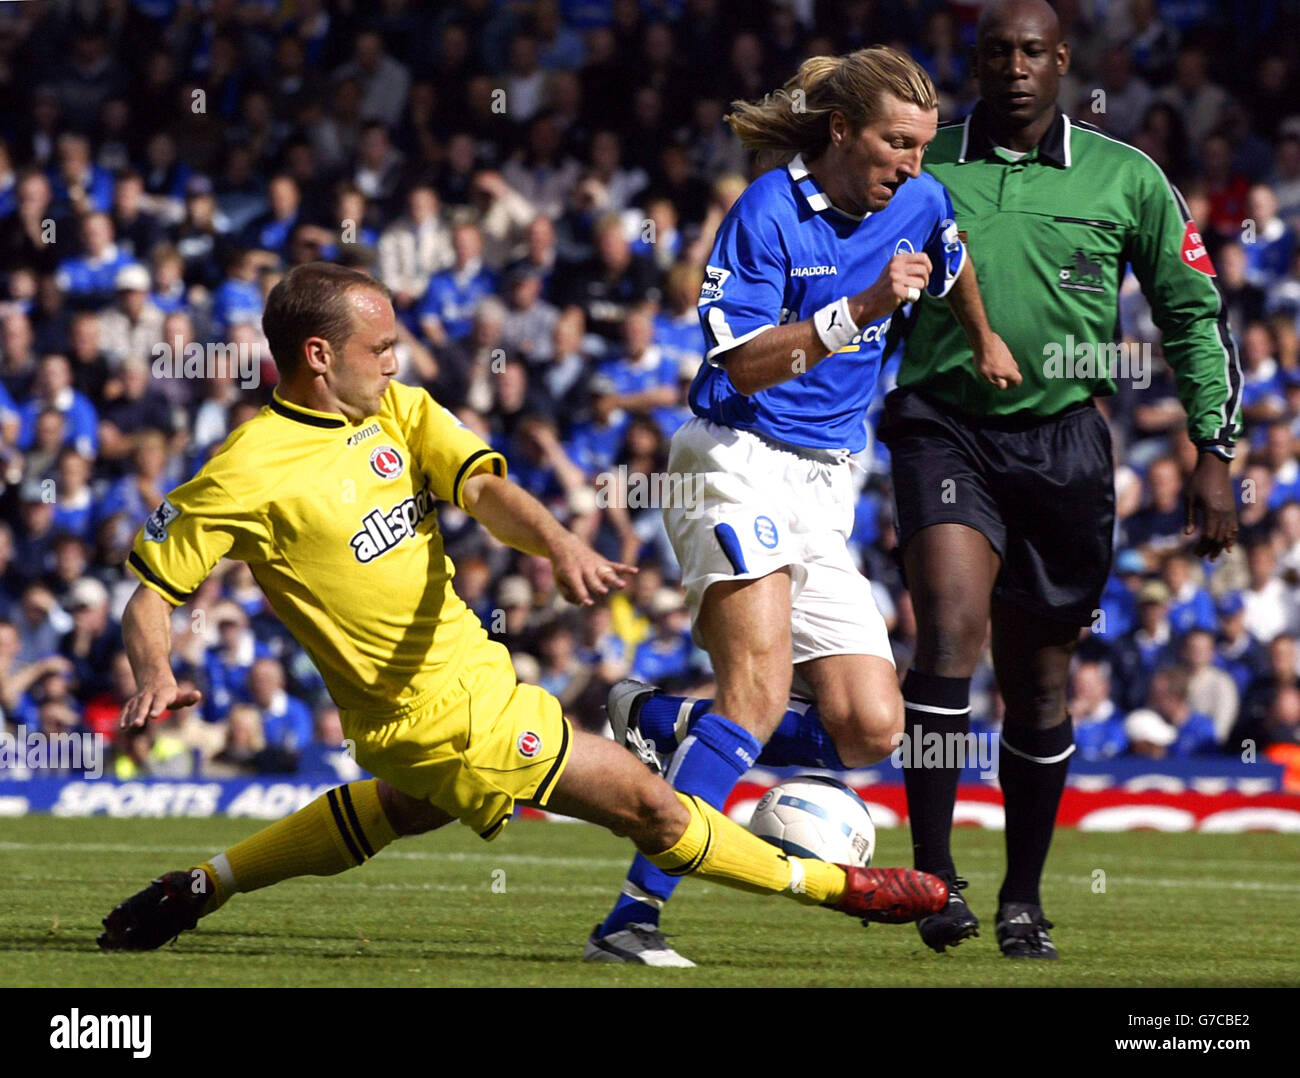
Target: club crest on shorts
{"x": 529, "y": 744}
{"x": 765, "y": 532}
{"x": 387, "y": 462}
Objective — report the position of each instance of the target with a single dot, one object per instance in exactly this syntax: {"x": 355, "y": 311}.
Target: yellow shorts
{"x": 482, "y": 745}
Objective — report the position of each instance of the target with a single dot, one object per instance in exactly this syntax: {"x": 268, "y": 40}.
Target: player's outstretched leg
{"x": 681, "y": 835}
{"x": 341, "y": 829}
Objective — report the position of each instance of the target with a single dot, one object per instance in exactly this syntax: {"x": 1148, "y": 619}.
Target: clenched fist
{"x": 902, "y": 281}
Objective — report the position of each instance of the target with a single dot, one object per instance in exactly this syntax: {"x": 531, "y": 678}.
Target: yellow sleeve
{"x": 196, "y": 525}
{"x": 444, "y": 449}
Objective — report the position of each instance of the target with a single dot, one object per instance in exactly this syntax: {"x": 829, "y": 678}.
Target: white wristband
{"x": 835, "y": 325}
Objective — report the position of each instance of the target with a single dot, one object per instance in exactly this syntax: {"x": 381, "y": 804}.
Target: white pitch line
{"x": 499, "y": 859}
{"x": 1155, "y": 881}
{"x": 1194, "y": 863}
{"x": 513, "y": 890}
{"x": 402, "y": 855}
{"x": 91, "y": 847}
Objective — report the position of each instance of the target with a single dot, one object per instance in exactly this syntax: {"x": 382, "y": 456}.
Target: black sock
{"x": 1031, "y": 769}
{"x": 930, "y": 702}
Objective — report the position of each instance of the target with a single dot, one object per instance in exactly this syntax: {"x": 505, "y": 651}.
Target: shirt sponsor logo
{"x": 765, "y": 532}
{"x": 155, "y": 528}
{"x": 876, "y": 332}
{"x": 1082, "y": 273}
{"x": 380, "y": 531}
{"x": 1194, "y": 253}
{"x": 529, "y": 744}
{"x": 714, "y": 278}
{"x": 386, "y": 462}
{"x": 814, "y": 271}
{"x": 363, "y": 434}
{"x": 871, "y": 333}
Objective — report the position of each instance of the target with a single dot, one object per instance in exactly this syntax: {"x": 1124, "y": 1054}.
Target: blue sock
{"x": 660, "y": 715}
{"x": 708, "y": 764}
{"x": 801, "y": 741}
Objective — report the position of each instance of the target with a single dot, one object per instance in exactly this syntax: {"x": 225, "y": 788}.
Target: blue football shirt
{"x": 782, "y": 253}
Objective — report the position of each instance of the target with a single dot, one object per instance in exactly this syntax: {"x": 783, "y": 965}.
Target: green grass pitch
{"x": 450, "y": 910}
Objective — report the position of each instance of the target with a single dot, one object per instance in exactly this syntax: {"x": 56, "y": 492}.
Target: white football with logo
{"x": 812, "y": 816}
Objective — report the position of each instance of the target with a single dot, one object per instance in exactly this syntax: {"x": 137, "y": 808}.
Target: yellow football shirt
{"x": 336, "y": 520}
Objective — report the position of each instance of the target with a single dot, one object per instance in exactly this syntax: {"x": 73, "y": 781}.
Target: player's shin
{"x": 799, "y": 740}
{"x": 341, "y": 829}
{"x": 714, "y": 847}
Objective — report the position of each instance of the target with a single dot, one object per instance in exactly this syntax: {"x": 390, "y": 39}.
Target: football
{"x": 812, "y": 816}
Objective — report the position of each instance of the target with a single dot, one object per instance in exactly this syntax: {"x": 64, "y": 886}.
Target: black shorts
{"x": 1040, "y": 489}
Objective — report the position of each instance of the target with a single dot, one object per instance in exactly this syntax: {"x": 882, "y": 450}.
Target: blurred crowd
{"x": 539, "y": 184}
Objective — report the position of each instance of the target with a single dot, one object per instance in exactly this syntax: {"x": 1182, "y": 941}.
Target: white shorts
{"x": 748, "y": 507}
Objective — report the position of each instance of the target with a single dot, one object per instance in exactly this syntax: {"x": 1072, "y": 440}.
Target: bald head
{"x": 1019, "y": 61}
{"x": 997, "y": 14}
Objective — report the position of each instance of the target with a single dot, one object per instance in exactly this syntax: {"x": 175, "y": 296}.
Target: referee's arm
{"x": 1170, "y": 262}
{"x": 1171, "y": 265}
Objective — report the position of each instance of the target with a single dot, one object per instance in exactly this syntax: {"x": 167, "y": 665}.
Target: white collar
{"x": 818, "y": 200}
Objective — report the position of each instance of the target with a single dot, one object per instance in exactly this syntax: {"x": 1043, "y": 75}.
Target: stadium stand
{"x": 539, "y": 182}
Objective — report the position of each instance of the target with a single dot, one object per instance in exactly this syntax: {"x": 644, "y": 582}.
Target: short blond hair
{"x": 796, "y": 118}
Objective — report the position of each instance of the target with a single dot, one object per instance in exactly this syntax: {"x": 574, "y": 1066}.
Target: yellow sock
{"x": 714, "y": 847}
{"x": 341, "y": 829}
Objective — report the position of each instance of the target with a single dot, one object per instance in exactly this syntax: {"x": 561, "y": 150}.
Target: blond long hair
{"x": 796, "y": 118}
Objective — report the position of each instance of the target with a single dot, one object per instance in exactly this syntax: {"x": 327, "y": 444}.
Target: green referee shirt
{"x": 1050, "y": 235}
